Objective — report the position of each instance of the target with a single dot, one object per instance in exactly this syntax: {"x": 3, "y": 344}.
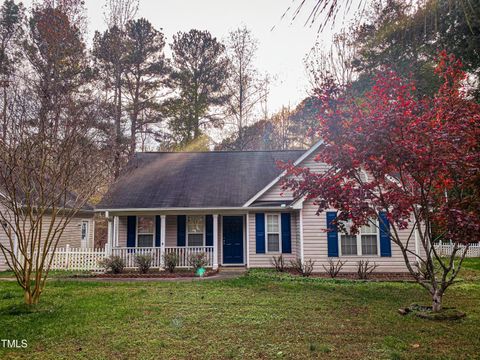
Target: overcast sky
{"x": 281, "y": 50}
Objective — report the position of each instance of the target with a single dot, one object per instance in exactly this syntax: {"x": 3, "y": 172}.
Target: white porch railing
{"x": 184, "y": 253}
{"x": 446, "y": 249}
{"x": 129, "y": 254}
{"x": 88, "y": 259}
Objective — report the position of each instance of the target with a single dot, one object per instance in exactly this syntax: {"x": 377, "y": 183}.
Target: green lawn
{"x": 256, "y": 316}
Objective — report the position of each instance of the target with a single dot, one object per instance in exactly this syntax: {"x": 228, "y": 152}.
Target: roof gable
{"x": 274, "y": 185}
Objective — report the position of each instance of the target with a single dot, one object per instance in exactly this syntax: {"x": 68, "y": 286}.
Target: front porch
{"x": 223, "y": 238}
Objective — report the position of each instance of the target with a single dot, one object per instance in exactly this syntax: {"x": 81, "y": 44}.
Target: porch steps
{"x": 232, "y": 270}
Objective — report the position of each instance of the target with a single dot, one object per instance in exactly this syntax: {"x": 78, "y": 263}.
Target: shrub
{"x": 279, "y": 263}
{"x": 114, "y": 264}
{"x": 364, "y": 269}
{"x": 303, "y": 268}
{"x": 197, "y": 261}
{"x": 308, "y": 267}
{"x": 170, "y": 260}
{"x": 334, "y": 267}
{"x": 143, "y": 262}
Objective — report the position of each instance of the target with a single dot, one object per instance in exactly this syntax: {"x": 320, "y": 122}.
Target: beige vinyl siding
{"x": 122, "y": 231}
{"x": 72, "y": 234}
{"x": 5, "y": 242}
{"x": 276, "y": 193}
{"x": 265, "y": 260}
{"x": 315, "y": 246}
{"x": 170, "y": 230}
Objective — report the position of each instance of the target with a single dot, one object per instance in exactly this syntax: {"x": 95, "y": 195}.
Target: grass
{"x": 53, "y": 274}
{"x": 256, "y": 316}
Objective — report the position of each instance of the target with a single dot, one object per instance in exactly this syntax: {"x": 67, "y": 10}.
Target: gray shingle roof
{"x": 194, "y": 180}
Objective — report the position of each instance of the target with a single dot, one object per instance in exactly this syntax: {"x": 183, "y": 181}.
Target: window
{"x": 368, "y": 234}
{"x": 273, "y": 233}
{"x": 349, "y": 244}
{"x": 195, "y": 230}
{"x": 363, "y": 243}
{"x": 84, "y": 234}
{"x": 145, "y": 230}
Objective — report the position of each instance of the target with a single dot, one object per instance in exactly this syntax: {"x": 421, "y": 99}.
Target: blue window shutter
{"x": 209, "y": 230}
{"x": 385, "y": 242}
{"x": 260, "y": 233}
{"x": 286, "y": 234}
{"x": 332, "y": 234}
{"x": 181, "y": 228}
{"x": 157, "y": 231}
{"x": 131, "y": 230}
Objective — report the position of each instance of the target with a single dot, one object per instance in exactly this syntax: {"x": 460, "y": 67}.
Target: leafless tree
{"x": 335, "y": 61}
{"x": 245, "y": 84}
{"x": 49, "y": 166}
{"x": 12, "y": 21}
{"x": 117, "y": 13}
{"x": 281, "y": 121}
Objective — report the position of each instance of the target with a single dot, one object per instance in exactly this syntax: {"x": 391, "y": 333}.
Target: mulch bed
{"x": 354, "y": 276}
{"x": 425, "y": 312}
{"x": 160, "y": 275}
{"x": 374, "y": 276}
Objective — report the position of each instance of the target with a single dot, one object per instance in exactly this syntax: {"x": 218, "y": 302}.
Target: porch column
{"x": 109, "y": 245}
{"x": 247, "y": 240}
{"x": 162, "y": 240}
{"x": 215, "y": 241}
{"x": 302, "y": 257}
{"x": 115, "y": 231}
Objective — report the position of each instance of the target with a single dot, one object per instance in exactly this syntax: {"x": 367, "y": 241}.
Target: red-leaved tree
{"x": 422, "y": 160}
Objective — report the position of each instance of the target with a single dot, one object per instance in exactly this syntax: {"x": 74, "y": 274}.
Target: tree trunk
{"x": 437, "y": 301}
{"x": 28, "y": 298}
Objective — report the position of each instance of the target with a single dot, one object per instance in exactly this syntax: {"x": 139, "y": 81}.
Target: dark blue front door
{"x": 233, "y": 239}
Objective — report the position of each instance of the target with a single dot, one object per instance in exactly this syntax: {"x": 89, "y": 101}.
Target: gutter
{"x": 190, "y": 209}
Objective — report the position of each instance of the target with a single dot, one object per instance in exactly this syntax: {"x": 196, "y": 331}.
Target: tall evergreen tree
{"x": 407, "y": 38}
{"x": 55, "y": 50}
{"x": 198, "y": 76}
{"x": 109, "y": 51}
{"x": 145, "y": 75}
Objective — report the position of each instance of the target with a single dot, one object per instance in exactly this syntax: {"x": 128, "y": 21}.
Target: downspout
{"x": 302, "y": 257}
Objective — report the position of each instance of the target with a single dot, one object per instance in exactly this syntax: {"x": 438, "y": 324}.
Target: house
{"x": 78, "y": 233}
{"x": 231, "y": 206}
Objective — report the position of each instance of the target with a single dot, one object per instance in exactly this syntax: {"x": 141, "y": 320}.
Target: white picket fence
{"x": 80, "y": 259}
{"x": 447, "y": 248}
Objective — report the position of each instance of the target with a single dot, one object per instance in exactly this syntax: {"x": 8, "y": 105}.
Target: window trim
{"x": 279, "y": 233}
{"x": 359, "y": 243}
{"x": 138, "y": 233}
{"x": 203, "y": 232}
{"x": 84, "y": 243}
